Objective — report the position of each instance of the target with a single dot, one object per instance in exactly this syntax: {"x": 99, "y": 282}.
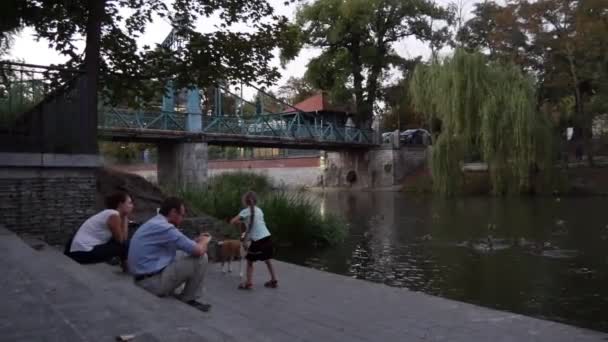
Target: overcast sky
{"x": 31, "y": 51}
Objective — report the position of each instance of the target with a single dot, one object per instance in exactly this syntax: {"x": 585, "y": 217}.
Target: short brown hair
{"x": 115, "y": 199}
{"x": 170, "y": 203}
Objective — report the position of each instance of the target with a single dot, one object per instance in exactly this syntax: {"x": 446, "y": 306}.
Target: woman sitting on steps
{"x": 104, "y": 235}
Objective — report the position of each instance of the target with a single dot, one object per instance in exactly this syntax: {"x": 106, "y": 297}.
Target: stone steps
{"x": 48, "y": 297}
{"x": 51, "y": 298}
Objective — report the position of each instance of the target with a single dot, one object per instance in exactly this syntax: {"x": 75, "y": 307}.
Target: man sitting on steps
{"x": 153, "y": 258}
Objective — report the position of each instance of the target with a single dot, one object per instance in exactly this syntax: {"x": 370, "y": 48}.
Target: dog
{"x": 228, "y": 250}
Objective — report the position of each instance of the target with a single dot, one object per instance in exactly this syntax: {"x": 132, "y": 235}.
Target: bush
{"x": 222, "y": 196}
{"x": 295, "y": 219}
{"x": 292, "y": 218}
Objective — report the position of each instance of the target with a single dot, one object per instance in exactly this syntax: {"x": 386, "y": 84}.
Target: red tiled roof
{"x": 316, "y": 103}
{"x": 312, "y": 104}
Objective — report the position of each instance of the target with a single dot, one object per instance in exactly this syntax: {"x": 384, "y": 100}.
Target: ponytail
{"x": 251, "y": 216}
{"x": 250, "y": 200}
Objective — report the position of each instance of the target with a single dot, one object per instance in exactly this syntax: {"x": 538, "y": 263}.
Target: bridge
{"x": 301, "y": 130}
{"x": 246, "y": 124}
{"x": 46, "y": 115}
{"x": 250, "y": 125}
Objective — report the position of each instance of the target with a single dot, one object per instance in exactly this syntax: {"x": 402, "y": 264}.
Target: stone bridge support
{"x": 380, "y": 167}
{"x": 182, "y": 164}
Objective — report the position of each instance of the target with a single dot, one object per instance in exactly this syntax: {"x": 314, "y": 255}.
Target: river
{"x": 543, "y": 257}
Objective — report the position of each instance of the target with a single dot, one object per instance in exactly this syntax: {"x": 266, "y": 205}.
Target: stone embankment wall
{"x": 291, "y": 172}
{"x": 46, "y": 195}
{"x": 378, "y": 168}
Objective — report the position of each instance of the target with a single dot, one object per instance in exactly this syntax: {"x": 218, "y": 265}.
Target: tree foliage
{"x": 564, "y": 43}
{"x": 357, "y": 39}
{"x": 199, "y": 59}
{"x": 485, "y": 107}
{"x": 398, "y": 112}
{"x": 296, "y": 90}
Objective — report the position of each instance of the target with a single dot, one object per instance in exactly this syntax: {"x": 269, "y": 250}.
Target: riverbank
{"x": 578, "y": 179}
{"x": 71, "y": 302}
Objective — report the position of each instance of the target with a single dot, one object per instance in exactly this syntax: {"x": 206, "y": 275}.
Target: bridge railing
{"x": 41, "y": 110}
{"x": 294, "y": 125}
{"x": 142, "y": 119}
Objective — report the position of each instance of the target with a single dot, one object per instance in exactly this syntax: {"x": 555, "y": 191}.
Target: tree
{"x": 296, "y": 90}
{"x": 357, "y": 39}
{"x": 574, "y": 37}
{"x": 399, "y": 112}
{"x": 489, "y": 108}
{"x": 268, "y": 102}
{"x": 6, "y": 41}
{"x": 498, "y": 31}
{"x": 563, "y": 42}
{"x": 193, "y": 59}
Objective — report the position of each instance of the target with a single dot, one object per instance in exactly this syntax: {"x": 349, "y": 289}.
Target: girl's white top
{"x": 259, "y": 229}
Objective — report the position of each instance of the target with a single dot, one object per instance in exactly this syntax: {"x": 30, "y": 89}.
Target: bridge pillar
{"x": 169, "y": 98}
{"x": 385, "y": 166}
{"x": 347, "y": 169}
{"x": 182, "y": 164}
{"x": 194, "y": 122}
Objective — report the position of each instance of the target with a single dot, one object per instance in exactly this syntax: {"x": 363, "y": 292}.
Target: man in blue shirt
{"x": 153, "y": 256}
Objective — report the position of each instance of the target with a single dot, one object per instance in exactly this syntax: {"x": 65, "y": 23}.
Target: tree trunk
{"x": 357, "y": 81}
{"x": 372, "y": 89}
{"x": 580, "y": 112}
{"x": 96, "y": 11}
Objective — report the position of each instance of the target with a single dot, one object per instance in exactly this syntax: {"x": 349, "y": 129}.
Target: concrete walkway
{"x": 47, "y": 297}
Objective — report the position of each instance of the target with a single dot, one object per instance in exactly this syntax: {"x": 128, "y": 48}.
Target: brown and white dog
{"x": 228, "y": 250}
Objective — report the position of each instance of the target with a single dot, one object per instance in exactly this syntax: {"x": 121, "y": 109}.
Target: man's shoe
{"x": 200, "y": 306}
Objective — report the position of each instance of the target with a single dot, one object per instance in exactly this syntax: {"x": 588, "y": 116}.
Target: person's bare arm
{"x": 202, "y": 244}
{"x": 235, "y": 220}
{"x": 115, "y": 225}
{"x": 125, "y": 228}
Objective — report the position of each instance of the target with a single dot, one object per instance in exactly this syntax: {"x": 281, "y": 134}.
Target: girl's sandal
{"x": 273, "y": 284}
{"x": 245, "y": 286}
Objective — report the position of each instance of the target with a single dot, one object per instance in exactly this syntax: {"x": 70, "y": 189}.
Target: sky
{"x": 38, "y": 52}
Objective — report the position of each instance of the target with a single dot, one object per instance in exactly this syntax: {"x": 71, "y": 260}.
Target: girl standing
{"x": 261, "y": 248}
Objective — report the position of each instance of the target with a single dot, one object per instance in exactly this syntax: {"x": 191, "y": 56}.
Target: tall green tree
{"x": 398, "y": 112}
{"x": 563, "y": 42}
{"x": 497, "y": 31}
{"x": 574, "y": 35}
{"x": 485, "y": 107}
{"x": 357, "y": 39}
{"x": 198, "y": 58}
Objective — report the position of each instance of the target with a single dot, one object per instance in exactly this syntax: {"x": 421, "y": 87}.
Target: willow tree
{"x": 488, "y": 109}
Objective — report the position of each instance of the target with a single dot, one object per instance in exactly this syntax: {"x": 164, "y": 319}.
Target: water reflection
{"x": 539, "y": 257}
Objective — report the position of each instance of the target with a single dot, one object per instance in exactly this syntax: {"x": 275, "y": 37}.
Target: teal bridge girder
{"x": 289, "y": 129}
{"x": 216, "y": 124}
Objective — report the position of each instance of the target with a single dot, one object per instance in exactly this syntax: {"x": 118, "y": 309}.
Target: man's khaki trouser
{"x": 184, "y": 269}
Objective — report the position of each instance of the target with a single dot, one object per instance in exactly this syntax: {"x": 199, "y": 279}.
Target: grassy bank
{"x": 292, "y": 217}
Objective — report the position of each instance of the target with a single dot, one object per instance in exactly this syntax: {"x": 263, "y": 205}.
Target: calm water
{"x": 541, "y": 257}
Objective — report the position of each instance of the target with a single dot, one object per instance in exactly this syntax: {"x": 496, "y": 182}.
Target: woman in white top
{"x": 261, "y": 248}
{"x": 104, "y": 235}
